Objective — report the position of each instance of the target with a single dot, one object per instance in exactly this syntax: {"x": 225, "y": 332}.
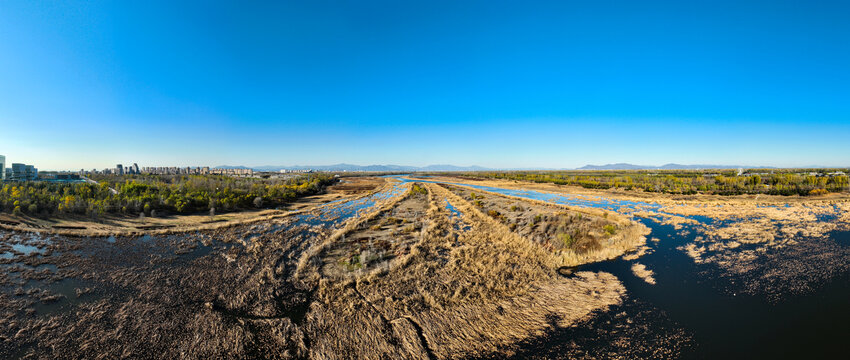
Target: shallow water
{"x": 726, "y": 323}
{"x": 171, "y": 248}
{"x": 696, "y": 311}
{"x": 455, "y": 217}
{"x": 717, "y": 319}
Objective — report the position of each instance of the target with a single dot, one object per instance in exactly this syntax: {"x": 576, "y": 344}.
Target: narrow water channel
{"x": 700, "y": 301}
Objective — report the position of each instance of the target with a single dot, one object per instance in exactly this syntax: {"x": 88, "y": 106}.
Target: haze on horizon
{"x": 495, "y": 84}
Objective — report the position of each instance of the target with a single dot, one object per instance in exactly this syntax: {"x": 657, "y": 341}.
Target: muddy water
{"x": 700, "y": 311}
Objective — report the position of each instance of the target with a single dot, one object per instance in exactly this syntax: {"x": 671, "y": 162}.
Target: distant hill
{"x": 369, "y": 168}
{"x": 625, "y": 166}
{"x": 617, "y": 166}
{"x": 452, "y": 168}
{"x": 448, "y": 167}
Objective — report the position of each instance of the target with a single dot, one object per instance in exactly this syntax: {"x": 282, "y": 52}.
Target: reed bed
{"x": 456, "y": 294}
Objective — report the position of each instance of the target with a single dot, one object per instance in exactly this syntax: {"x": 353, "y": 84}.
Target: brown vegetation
{"x": 288, "y": 286}
{"x": 575, "y": 235}
{"x": 456, "y": 294}
{"x": 123, "y": 225}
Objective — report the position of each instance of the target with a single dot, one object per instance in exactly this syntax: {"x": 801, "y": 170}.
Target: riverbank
{"x": 652, "y": 197}
{"x": 414, "y": 270}
{"x": 123, "y": 225}
{"x": 740, "y": 235}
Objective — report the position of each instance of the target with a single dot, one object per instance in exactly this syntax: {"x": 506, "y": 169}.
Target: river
{"x": 708, "y": 306}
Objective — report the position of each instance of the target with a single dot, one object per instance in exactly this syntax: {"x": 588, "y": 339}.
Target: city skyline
{"x": 473, "y": 83}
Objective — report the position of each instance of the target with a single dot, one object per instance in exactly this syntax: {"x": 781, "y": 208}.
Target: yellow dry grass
{"x": 456, "y": 294}
{"x": 630, "y": 236}
{"x": 641, "y": 271}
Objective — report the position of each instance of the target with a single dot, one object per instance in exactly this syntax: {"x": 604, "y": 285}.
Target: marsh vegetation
{"x": 403, "y": 269}
{"x": 688, "y": 182}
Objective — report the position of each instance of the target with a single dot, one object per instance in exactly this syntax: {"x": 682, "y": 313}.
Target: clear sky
{"x": 517, "y": 84}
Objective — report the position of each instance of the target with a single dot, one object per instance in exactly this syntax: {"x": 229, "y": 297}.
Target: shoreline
{"x": 117, "y": 225}
{"x": 659, "y": 198}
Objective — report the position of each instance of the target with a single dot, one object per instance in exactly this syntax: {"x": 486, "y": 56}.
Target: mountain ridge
{"x": 365, "y": 168}
{"x": 670, "y": 166}
{"x": 448, "y": 167}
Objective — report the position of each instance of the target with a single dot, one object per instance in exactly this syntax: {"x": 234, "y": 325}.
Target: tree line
{"x": 134, "y": 194}
{"x": 689, "y": 182}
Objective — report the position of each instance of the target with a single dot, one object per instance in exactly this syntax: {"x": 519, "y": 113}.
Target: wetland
{"x": 443, "y": 267}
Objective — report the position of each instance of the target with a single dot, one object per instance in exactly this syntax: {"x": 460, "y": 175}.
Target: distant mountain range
{"x": 625, "y": 166}
{"x": 371, "y": 168}
{"x": 446, "y": 167}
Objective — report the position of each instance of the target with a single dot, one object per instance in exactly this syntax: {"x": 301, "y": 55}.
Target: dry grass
{"x": 309, "y": 265}
{"x": 453, "y": 293}
{"x": 629, "y": 234}
{"x": 116, "y": 225}
{"x": 658, "y": 198}
{"x": 456, "y": 294}
{"x": 736, "y": 233}
{"x": 642, "y": 272}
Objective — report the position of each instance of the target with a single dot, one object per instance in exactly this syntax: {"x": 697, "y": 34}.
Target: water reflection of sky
{"x": 575, "y": 200}
{"x": 336, "y": 212}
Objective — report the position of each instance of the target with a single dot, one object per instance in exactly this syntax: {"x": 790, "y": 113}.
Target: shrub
{"x": 817, "y": 192}
{"x": 610, "y": 229}
{"x": 566, "y": 240}
{"x": 416, "y": 189}
{"x": 354, "y": 262}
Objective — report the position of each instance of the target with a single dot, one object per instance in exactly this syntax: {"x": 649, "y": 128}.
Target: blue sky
{"x": 500, "y": 84}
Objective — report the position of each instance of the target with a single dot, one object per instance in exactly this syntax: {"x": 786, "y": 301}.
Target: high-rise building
{"x": 2, "y": 167}
{"x": 19, "y": 172}
{"x": 119, "y": 169}
{"x": 136, "y": 168}
{"x": 30, "y": 172}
